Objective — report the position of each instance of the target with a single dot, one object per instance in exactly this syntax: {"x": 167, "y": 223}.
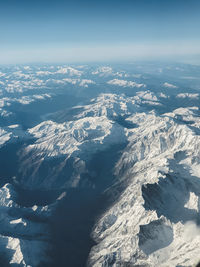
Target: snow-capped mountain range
{"x": 58, "y": 139}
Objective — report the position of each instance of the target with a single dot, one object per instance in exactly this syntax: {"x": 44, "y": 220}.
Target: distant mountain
{"x": 100, "y": 165}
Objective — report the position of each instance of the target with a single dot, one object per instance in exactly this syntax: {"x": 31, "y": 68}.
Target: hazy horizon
{"x": 88, "y": 31}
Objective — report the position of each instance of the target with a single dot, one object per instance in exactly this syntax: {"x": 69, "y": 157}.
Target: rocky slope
{"x": 111, "y": 172}
{"x": 154, "y": 221}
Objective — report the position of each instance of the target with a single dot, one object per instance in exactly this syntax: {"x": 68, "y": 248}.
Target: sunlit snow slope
{"x": 100, "y": 165}
{"x": 154, "y": 222}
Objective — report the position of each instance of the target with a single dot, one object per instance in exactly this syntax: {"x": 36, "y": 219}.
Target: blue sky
{"x": 94, "y": 30}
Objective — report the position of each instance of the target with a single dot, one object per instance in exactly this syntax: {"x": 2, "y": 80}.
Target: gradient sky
{"x": 78, "y": 30}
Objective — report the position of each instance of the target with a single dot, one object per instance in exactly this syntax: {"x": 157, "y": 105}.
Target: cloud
{"x": 191, "y": 230}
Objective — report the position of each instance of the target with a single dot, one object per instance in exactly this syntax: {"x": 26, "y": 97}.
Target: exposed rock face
{"x": 101, "y": 153}
{"x": 73, "y": 144}
{"x": 155, "y": 220}
{"x": 23, "y": 240}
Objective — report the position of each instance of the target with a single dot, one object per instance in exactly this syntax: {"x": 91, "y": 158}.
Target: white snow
{"x": 22, "y": 241}
{"x": 80, "y": 82}
{"x": 4, "y": 136}
{"x": 105, "y": 70}
{"x": 125, "y": 83}
{"x": 188, "y": 95}
{"x": 110, "y": 105}
{"x": 153, "y": 222}
{"x": 13, "y": 126}
{"x": 69, "y": 70}
{"x": 169, "y": 85}
{"x": 69, "y": 138}
{"x": 18, "y": 221}
{"x": 162, "y": 95}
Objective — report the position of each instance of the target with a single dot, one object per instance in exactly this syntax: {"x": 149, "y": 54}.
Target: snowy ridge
{"x": 125, "y": 83}
{"x": 110, "y": 105}
{"x": 4, "y": 136}
{"x": 113, "y": 105}
{"x": 159, "y": 168}
{"x": 87, "y": 134}
{"x": 95, "y": 128}
{"x": 155, "y": 220}
{"x": 22, "y": 240}
{"x": 128, "y": 134}
{"x": 11, "y": 133}
{"x": 73, "y": 141}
